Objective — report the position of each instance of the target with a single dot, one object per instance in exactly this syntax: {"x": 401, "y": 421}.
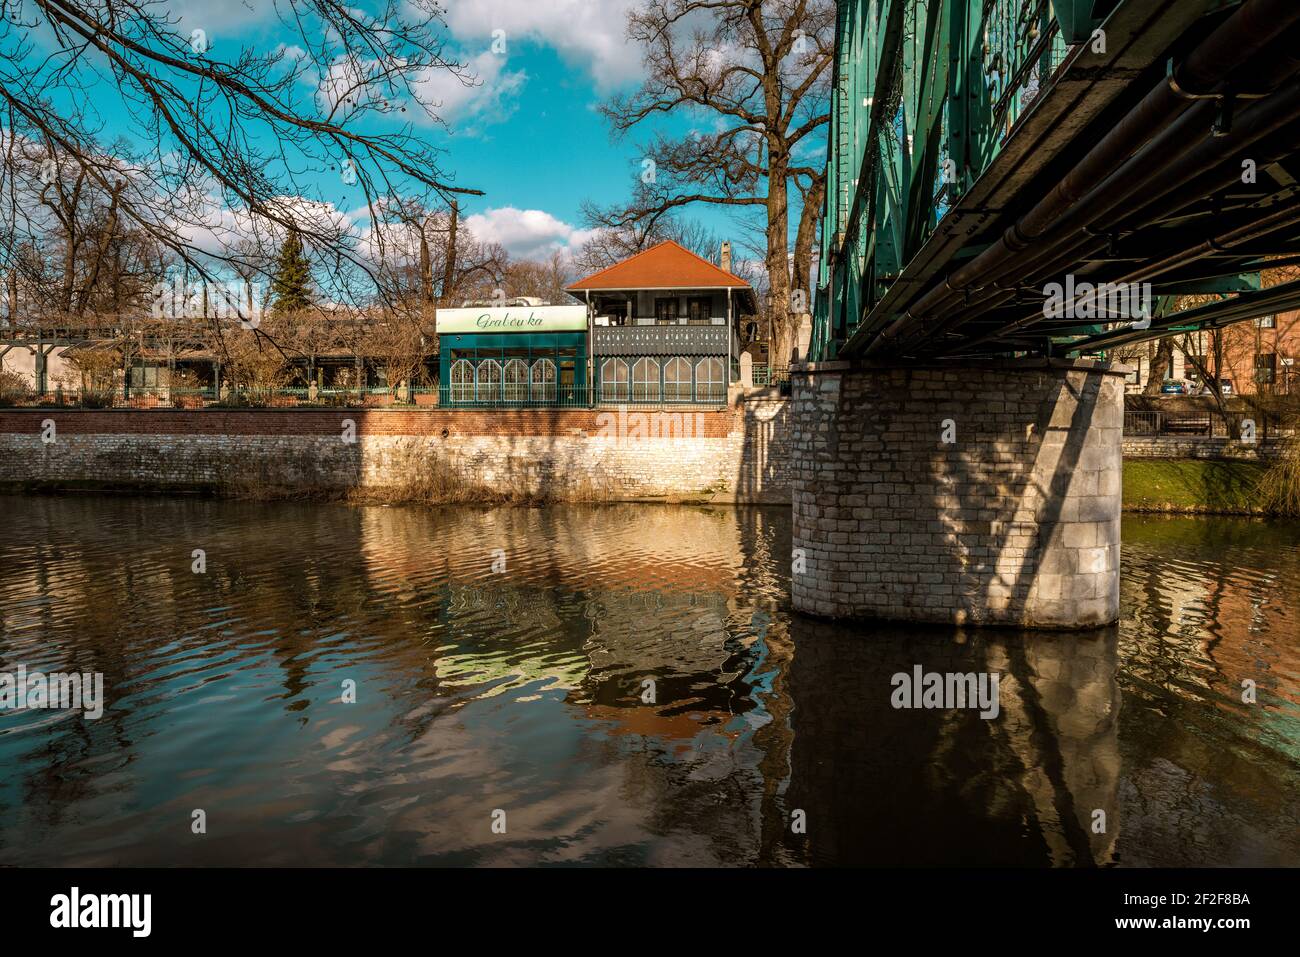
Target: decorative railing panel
{"x": 659, "y": 340}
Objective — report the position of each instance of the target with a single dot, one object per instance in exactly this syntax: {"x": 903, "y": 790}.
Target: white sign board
{"x": 513, "y": 319}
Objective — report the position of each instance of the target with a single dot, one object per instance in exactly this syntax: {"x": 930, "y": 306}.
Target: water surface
{"x": 501, "y": 659}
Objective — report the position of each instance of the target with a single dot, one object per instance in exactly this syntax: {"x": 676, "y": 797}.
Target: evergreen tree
{"x": 291, "y": 285}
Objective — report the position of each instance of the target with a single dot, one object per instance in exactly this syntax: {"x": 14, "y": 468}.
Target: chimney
{"x": 726, "y": 256}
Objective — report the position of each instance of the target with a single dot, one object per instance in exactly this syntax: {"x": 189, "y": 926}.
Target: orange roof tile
{"x": 665, "y": 266}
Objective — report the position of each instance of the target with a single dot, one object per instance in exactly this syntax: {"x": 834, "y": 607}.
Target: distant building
{"x": 1256, "y": 357}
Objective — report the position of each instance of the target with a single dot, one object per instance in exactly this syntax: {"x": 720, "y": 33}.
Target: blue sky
{"x": 528, "y": 133}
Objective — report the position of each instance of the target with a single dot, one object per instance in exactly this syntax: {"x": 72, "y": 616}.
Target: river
{"x": 619, "y": 685}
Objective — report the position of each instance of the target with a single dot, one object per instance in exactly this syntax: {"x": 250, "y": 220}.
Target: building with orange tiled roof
{"x": 663, "y": 326}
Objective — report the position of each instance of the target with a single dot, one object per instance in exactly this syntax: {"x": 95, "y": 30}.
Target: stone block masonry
{"x": 1175, "y": 447}
{"x": 985, "y": 494}
{"x": 736, "y": 454}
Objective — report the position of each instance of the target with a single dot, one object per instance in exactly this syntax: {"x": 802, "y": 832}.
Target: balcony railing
{"x": 659, "y": 340}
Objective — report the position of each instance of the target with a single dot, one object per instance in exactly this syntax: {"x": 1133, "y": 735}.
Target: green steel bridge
{"x": 992, "y": 163}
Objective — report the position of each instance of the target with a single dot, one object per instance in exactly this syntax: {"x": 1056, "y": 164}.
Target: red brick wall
{"x": 712, "y": 424}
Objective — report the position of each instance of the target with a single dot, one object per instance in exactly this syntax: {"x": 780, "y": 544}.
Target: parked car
{"x": 1208, "y": 388}
{"x": 1175, "y": 387}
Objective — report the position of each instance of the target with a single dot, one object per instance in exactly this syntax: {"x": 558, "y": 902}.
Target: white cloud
{"x": 590, "y": 34}
{"x": 483, "y": 92}
{"x": 490, "y": 99}
{"x": 526, "y": 233}
{"x": 220, "y": 21}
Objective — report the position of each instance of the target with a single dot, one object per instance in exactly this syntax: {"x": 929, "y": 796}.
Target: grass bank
{"x": 1193, "y": 486}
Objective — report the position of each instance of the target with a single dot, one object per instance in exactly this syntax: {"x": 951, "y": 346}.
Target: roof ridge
{"x": 733, "y": 281}
{"x": 711, "y": 265}
{"x": 624, "y": 262}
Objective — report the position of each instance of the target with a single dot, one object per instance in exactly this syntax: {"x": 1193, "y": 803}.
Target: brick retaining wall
{"x": 740, "y": 453}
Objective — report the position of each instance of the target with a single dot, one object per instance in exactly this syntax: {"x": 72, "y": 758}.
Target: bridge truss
{"x": 992, "y": 162}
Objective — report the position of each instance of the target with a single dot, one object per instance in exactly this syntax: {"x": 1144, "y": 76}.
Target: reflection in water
{"x": 525, "y": 688}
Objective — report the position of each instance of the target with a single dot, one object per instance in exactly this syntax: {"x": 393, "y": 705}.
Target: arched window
{"x": 709, "y": 385}
{"x": 677, "y": 380}
{"x": 488, "y": 388}
{"x": 613, "y": 380}
{"x": 543, "y": 374}
{"x": 462, "y": 381}
{"x": 645, "y": 381}
{"x": 516, "y": 380}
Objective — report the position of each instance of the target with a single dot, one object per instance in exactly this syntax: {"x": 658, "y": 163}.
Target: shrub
{"x": 1279, "y": 488}
{"x": 13, "y": 388}
{"x": 96, "y": 399}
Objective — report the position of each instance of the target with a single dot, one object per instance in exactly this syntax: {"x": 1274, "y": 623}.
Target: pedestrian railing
{"x": 1205, "y": 424}
{"x": 766, "y": 375}
{"x": 495, "y": 396}
{"x": 551, "y": 396}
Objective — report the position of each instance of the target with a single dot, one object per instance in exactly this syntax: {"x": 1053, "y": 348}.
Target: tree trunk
{"x": 110, "y": 228}
{"x": 1159, "y": 366}
{"x": 806, "y": 235}
{"x": 778, "y": 260}
{"x": 13, "y": 297}
{"x": 449, "y": 266}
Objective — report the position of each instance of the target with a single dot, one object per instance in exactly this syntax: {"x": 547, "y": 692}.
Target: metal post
{"x": 727, "y": 377}
{"x": 588, "y": 379}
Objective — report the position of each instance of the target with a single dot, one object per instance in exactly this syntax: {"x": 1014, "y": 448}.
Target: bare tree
{"x": 544, "y": 279}
{"x": 400, "y": 349}
{"x": 430, "y": 258}
{"x": 616, "y": 238}
{"x": 759, "y": 71}
{"x": 240, "y": 131}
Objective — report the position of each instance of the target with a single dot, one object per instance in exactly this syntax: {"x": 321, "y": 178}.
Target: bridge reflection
{"x": 896, "y": 786}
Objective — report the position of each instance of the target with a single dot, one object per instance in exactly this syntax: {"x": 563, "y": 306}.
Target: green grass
{"x": 1192, "y": 485}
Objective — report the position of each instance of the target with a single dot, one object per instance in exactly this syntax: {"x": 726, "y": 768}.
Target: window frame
{"x": 676, "y": 307}
{"x": 549, "y": 387}
{"x": 717, "y": 389}
{"x": 479, "y": 383}
{"x": 623, "y": 384}
{"x": 517, "y": 391}
{"x": 650, "y": 389}
{"x": 462, "y": 391}
{"x": 707, "y": 318}
{"x": 1266, "y": 372}
{"x": 680, "y": 391}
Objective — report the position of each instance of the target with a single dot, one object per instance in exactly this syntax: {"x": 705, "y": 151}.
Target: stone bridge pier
{"x": 984, "y": 494}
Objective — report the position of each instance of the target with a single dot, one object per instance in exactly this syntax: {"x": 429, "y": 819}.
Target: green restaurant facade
{"x": 658, "y": 328}
{"x": 515, "y": 355}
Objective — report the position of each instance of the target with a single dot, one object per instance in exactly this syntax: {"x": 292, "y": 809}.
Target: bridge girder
{"x": 993, "y": 159}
